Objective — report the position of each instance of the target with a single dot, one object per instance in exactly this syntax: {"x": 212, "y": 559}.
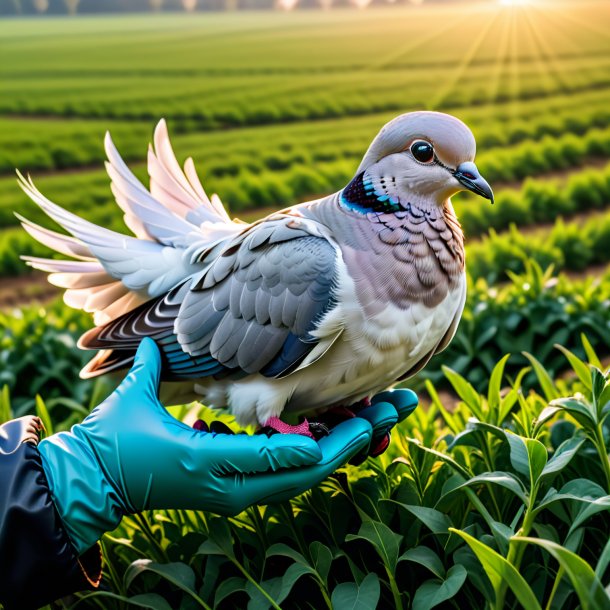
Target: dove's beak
{"x": 468, "y": 175}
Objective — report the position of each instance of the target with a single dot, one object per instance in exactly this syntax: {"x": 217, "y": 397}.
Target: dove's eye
{"x": 422, "y": 151}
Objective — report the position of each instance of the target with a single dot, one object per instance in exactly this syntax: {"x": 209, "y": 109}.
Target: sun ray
{"x": 501, "y": 60}
{"x": 461, "y": 68}
{"x": 543, "y": 61}
{"x": 547, "y": 78}
{"x": 566, "y": 31}
{"x": 514, "y": 88}
{"x": 582, "y": 23}
{"x": 388, "y": 60}
{"x": 549, "y": 63}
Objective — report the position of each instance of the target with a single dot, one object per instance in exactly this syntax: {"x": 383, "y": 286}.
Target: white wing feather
{"x": 174, "y": 223}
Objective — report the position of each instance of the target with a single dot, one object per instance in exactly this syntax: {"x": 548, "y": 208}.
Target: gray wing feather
{"x": 253, "y": 308}
{"x": 261, "y": 293}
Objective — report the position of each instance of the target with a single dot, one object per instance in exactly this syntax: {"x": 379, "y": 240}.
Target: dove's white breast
{"x": 369, "y": 355}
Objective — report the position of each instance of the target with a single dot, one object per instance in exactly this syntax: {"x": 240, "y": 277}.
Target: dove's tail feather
{"x": 175, "y": 223}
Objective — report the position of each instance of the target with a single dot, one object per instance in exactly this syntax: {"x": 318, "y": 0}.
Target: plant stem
{"x": 114, "y": 577}
{"x": 603, "y": 453}
{"x": 147, "y": 531}
{"x": 250, "y": 579}
{"x": 515, "y": 550}
{"x": 558, "y": 578}
{"x": 395, "y": 592}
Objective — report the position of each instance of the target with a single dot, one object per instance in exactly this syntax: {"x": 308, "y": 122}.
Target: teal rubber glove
{"x": 131, "y": 455}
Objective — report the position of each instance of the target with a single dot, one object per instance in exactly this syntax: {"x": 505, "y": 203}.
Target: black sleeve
{"x": 38, "y": 563}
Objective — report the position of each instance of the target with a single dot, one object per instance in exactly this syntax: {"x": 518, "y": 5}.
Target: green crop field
{"x": 279, "y": 107}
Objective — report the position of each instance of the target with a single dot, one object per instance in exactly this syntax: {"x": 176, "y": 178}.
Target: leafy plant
{"x": 498, "y": 503}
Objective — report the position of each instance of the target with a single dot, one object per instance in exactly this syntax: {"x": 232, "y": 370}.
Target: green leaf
{"x": 589, "y": 589}
{"x": 504, "y": 479}
{"x": 435, "y": 592}
{"x": 285, "y": 551}
{"x": 350, "y": 596}
{"x": 451, "y": 421}
{"x": 6, "y": 413}
{"x": 499, "y": 570}
{"x": 527, "y": 455}
{"x": 578, "y": 409}
{"x": 43, "y": 413}
{"x": 603, "y": 561}
{"x": 495, "y": 385}
{"x": 277, "y": 588}
{"x": 443, "y": 457}
{"x": 320, "y": 553}
{"x": 592, "y": 508}
{"x": 152, "y": 601}
{"x": 220, "y": 541}
{"x": 322, "y": 558}
{"x": 562, "y": 457}
{"x": 497, "y": 431}
{"x": 583, "y": 372}
{"x": 507, "y": 403}
{"x": 385, "y": 541}
{"x": 501, "y": 532}
{"x": 227, "y": 587}
{"x": 591, "y": 355}
{"x": 545, "y": 415}
{"x": 546, "y": 383}
{"x": 577, "y": 490}
{"x": 426, "y": 557}
{"x": 465, "y": 391}
{"x": 178, "y": 573}
{"x": 437, "y": 522}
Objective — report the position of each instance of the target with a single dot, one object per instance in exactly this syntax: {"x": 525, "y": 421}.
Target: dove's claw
{"x": 318, "y": 429}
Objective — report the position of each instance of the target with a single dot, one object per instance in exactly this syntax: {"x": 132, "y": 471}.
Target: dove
{"x": 320, "y": 305}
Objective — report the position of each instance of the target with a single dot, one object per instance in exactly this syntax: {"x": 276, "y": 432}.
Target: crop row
{"x": 426, "y": 522}
{"x": 44, "y": 144}
{"x": 304, "y": 177}
{"x": 221, "y": 101}
{"x": 201, "y": 45}
{"x": 571, "y": 246}
{"x": 538, "y": 201}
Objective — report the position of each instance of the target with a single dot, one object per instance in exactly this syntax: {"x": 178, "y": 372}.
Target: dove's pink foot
{"x": 276, "y": 424}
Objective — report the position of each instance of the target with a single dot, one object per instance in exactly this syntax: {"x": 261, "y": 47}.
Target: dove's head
{"x": 424, "y": 157}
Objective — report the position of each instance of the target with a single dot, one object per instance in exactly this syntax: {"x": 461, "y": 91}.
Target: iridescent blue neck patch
{"x": 359, "y": 196}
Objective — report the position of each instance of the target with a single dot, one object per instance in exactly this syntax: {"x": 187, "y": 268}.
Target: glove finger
{"x": 383, "y": 417}
{"x": 405, "y": 401}
{"x": 145, "y": 373}
{"x": 260, "y": 453}
{"x": 344, "y": 441}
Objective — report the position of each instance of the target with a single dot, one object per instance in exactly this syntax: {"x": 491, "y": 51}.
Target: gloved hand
{"x": 131, "y": 455}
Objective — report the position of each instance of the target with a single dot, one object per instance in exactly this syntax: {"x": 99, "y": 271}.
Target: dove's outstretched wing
{"x": 255, "y": 309}
{"x": 175, "y": 224}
